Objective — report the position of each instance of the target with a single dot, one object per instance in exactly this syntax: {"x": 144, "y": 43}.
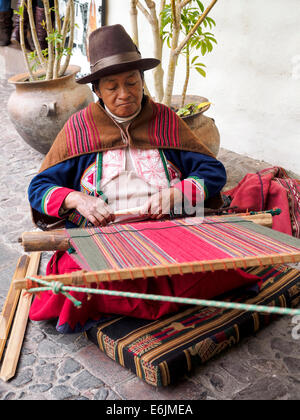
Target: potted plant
{"x": 47, "y": 95}
{"x": 184, "y": 26}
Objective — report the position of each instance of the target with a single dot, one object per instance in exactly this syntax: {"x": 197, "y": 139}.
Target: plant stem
{"x": 134, "y": 22}
{"x": 174, "y": 12}
{"x": 64, "y": 32}
{"x": 49, "y": 74}
{"x": 153, "y": 20}
{"x": 162, "y": 6}
{"x": 187, "y": 76}
{"x": 184, "y": 3}
{"x": 34, "y": 36}
{"x": 196, "y": 26}
{"x": 71, "y": 37}
{"x": 22, "y": 41}
{"x": 173, "y": 56}
{"x": 158, "y": 73}
{"x": 57, "y": 16}
{"x": 176, "y": 48}
{"x": 57, "y": 47}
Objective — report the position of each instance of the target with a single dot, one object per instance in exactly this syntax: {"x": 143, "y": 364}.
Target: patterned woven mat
{"x": 162, "y": 351}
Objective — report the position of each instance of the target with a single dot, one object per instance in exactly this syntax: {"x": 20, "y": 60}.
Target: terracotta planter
{"x": 199, "y": 122}
{"x": 40, "y": 109}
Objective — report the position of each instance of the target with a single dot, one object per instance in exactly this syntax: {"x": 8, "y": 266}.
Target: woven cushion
{"x": 161, "y": 351}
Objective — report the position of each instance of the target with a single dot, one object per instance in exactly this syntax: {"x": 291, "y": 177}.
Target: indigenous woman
{"x": 123, "y": 152}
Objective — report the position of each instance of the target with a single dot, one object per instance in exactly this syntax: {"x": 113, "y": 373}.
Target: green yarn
{"x": 57, "y": 287}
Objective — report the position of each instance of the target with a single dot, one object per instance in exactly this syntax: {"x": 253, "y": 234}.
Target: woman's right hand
{"x": 94, "y": 209}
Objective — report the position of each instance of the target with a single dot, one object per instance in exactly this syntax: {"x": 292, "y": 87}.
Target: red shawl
{"x": 268, "y": 189}
{"x": 157, "y": 126}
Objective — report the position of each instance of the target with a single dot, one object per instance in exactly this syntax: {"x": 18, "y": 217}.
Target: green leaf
{"x": 212, "y": 39}
{"x": 211, "y": 22}
{"x": 209, "y": 46}
{"x": 20, "y": 11}
{"x": 201, "y": 71}
{"x": 199, "y": 65}
{"x": 200, "y": 5}
{"x": 203, "y": 48}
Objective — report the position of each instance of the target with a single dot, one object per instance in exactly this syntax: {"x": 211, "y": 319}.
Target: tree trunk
{"x": 71, "y": 25}
{"x": 134, "y": 22}
{"x": 151, "y": 15}
{"x": 187, "y": 76}
{"x": 64, "y": 32}
{"x": 22, "y": 41}
{"x": 158, "y": 73}
{"x": 49, "y": 74}
{"x": 173, "y": 54}
{"x": 34, "y": 35}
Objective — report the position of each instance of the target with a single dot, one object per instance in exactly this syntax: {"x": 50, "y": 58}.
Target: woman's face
{"x": 122, "y": 93}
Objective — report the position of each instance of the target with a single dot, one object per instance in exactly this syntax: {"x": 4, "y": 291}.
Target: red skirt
{"x": 94, "y": 307}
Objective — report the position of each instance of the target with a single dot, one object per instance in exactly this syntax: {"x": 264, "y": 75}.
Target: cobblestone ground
{"x": 57, "y": 367}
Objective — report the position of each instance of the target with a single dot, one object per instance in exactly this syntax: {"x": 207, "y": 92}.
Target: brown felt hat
{"x": 112, "y": 51}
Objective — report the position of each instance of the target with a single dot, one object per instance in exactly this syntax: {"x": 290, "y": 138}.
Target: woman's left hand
{"x": 162, "y": 203}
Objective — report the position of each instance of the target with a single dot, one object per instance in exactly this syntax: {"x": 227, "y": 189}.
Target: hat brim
{"x": 142, "y": 64}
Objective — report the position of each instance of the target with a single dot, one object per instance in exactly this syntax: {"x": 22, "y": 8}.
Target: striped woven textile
{"x": 82, "y": 135}
{"x": 214, "y": 241}
{"x": 164, "y": 128}
{"x": 161, "y": 352}
{"x": 292, "y": 188}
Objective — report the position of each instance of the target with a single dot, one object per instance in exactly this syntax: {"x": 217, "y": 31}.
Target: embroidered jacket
{"x": 90, "y": 133}
{"x": 201, "y": 177}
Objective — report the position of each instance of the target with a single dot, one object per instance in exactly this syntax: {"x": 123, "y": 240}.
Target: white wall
{"x": 253, "y": 75}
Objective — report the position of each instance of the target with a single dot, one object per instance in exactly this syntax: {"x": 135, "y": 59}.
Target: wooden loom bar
{"x": 11, "y": 302}
{"x": 16, "y": 338}
{"x": 85, "y": 278}
{"x": 57, "y": 240}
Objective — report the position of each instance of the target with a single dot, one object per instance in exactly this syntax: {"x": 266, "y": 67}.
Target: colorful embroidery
{"x": 88, "y": 180}
{"x": 143, "y": 344}
{"x": 77, "y": 219}
{"x": 199, "y": 184}
{"x": 47, "y": 197}
{"x": 174, "y": 173}
{"x": 149, "y": 165}
{"x": 112, "y": 164}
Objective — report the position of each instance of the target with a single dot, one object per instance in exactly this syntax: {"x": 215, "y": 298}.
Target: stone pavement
{"x": 58, "y": 367}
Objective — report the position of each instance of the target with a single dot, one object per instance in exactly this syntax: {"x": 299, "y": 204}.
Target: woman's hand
{"x": 94, "y": 209}
{"x": 162, "y": 203}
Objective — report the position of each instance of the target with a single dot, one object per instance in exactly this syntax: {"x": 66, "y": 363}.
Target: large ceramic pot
{"x": 201, "y": 123}
{"x": 40, "y": 109}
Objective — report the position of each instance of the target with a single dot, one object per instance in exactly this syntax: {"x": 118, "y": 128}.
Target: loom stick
{"x": 11, "y": 302}
{"x": 125, "y": 212}
{"x": 16, "y": 338}
{"x": 84, "y": 278}
{"x": 57, "y": 240}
